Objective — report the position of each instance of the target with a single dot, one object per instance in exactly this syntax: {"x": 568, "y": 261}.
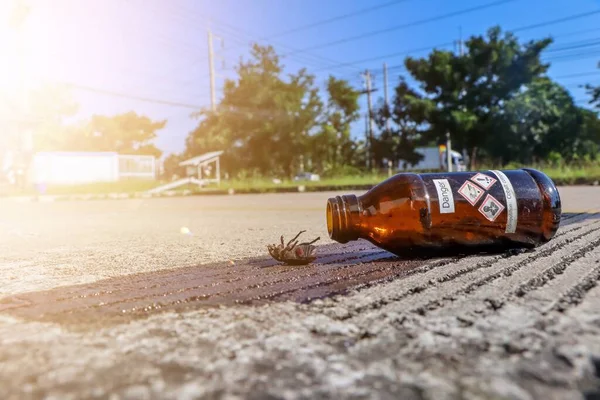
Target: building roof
{"x": 204, "y": 158}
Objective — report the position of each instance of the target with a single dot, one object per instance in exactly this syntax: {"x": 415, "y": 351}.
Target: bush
{"x": 342, "y": 171}
{"x": 555, "y": 159}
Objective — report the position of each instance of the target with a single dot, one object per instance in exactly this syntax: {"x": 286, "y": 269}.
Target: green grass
{"x": 591, "y": 172}
{"x": 562, "y": 175}
{"x": 104, "y": 187}
{"x": 130, "y": 186}
{"x": 267, "y": 184}
{"x": 566, "y": 175}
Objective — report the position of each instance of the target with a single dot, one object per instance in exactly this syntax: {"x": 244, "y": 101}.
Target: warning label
{"x": 491, "y": 208}
{"x": 512, "y": 216}
{"x": 471, "y": 192}
{"x": 484, "y": 181}
{"x": 445, "y": 196}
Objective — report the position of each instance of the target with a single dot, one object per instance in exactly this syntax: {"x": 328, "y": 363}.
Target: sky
{"x": 114, "y": 53}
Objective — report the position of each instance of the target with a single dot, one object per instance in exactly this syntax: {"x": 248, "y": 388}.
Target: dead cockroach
{"x": 293, "y": 253}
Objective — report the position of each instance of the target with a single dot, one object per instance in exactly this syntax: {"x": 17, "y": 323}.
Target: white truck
{"x": 434, "y": 160}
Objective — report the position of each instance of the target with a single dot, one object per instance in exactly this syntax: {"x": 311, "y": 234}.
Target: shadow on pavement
{"x": 337, "y": 270}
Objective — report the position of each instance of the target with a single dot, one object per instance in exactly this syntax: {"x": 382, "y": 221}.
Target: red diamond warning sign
{"x": 491, "y": 208}
{"x": 484, "y": 181}
{"x": 471, "y": 192}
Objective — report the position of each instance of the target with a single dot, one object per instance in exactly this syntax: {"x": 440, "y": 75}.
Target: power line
{"x": 391, "y": 55}
{"x": 556, "y": 21}
{"x": 351, "y": 64}
{"x": 360, "y": 12}
{"x": 397, "y": 67}
{"x": 320, "y": 23}
{"x": 575, "y": 56}
{"x": 566, "y": 46}
{"x": 221, "y": 109}
{"x": 576, "y": 45}
{"x": 293, "y": 51}
{"x": 580, "y": 32}
{"x": 591, "y": 73}
{"x": 132, "y": 97}
{"x": 441, "y": 45}
{"x": 403, "y": 26}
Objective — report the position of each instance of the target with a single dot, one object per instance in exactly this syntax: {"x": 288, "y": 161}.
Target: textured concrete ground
{"x": 515, "y": 326}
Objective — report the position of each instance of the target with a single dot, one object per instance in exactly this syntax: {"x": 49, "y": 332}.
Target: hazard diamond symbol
{"x": 484, "y": 181}
{"x": 471, "y": 192}
{"x": 491, "y": 208}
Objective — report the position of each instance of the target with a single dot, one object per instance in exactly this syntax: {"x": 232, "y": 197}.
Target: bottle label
{"x": 491, "y": 208}
{"x": 484, "y": 181}
{"x": 445, "y": 196}
{"x": 471, "y": 192}
{"x": 511, "y": 201}
{"x": 488, "y": 196}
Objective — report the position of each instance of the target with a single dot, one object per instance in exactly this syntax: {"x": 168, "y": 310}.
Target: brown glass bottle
{"x": 414, "y": 213}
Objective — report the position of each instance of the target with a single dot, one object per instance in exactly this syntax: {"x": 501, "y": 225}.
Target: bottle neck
{"x": 343, "y": 214}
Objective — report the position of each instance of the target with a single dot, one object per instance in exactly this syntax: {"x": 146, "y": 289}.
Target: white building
{"x": 68, "y": 168}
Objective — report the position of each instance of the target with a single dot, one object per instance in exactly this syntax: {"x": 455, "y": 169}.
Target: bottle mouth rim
{"x": 330, "y": 219}
{"x": 340, "y": 213}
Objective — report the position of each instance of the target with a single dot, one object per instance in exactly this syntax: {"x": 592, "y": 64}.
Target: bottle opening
{"x": 342, "y": 213}
{"x": 329, "y": 220}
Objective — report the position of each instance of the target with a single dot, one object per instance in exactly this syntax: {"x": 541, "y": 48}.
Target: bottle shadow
{"x": 462, "y": 251}
{"x": 504, "y": 247}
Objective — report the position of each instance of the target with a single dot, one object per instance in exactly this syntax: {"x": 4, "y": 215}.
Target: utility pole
{"x": 211, "y": 62}
{"x": 368, "y": 116}
{"x": 448, "y": 152}
{"x": 211, "y": 66}
{"x": 460, "y": 42}
{"x": 385, "y": 94}
{"x": 370, "y": 155}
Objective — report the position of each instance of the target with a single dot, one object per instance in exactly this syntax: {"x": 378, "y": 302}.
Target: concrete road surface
{"x": 175, "y": 299}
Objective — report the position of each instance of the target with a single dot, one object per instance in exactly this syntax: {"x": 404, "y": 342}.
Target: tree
{"x": 588, "y": 143}
{"x": 263, "y": 121}
{"x": 50, "y": 106}
{"x": 406, "y": 115}
{"x": 171, "y": 167}
{"x": 127, "y": 133}
{"x": 465, "y": 94}
{"x": 540, "y": 120}
{"x": 595, "y": 93}
{"x": 332, "y": 147}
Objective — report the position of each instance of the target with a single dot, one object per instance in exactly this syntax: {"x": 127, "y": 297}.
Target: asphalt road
{"x": 176, "y": 298}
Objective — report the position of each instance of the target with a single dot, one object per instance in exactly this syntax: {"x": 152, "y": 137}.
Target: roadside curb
{"x": 183, "y": 193}
{"x": 223, "y": 192}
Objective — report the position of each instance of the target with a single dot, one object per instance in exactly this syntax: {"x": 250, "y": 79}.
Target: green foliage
{"x": 343, "y": 171}
{"x": 555, "y": 159}
{"x": 495, "y": 100}
{"x": 465, "y": 94}
{"x": 171, "y": 168}
{"x": 127, "y": 133}
{"x": 594, "y": 92}
{"x": 332, "y": 146}
{"x": 588, "y": 143}
{"x": 263, "y": 120}
{"x": 538, "y": 121}
{"x": 272, "y": 126}
{"x": 400, "y": 125}
{"x": 51, "y": 105}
